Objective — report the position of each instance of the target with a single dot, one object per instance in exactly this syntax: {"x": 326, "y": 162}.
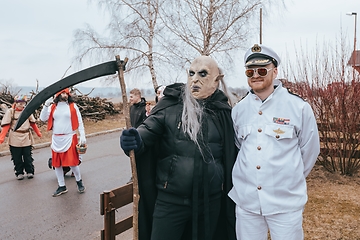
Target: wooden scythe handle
{"x": 121, "y": 67}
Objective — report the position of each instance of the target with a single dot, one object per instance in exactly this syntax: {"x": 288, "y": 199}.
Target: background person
{"x": 138, "y": 111}
{"x": 159, "y": 91}
{"x": 185, "y": 152}
{"x": 64, "y": 119}
{"x": 137, "y": 108}
{"x": 277, "y": 137}
{"x": 21, "y": 140}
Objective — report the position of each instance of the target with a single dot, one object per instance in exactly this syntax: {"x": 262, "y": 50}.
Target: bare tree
{"x": 213, "y": 27}
{"x": 131, "y": 31}
{"x": 8, "y": 87}
{"x": 162, "y": 48}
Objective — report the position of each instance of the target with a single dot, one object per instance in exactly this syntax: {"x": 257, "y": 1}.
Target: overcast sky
{"x": 36, "y": 35}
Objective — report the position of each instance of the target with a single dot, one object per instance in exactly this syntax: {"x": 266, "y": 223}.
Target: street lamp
{"x": 354, "y": 57}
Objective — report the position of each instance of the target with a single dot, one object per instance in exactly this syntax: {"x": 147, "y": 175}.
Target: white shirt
{"x": 62, "y": 128}
{"x": 278, "y": 145}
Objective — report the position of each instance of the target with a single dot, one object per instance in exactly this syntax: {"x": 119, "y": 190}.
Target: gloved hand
{"x": 82, "y": 140}
{"x": 48, "y": 102}
{"x": 130, "y": 140}
{"x": 3, "y": 132}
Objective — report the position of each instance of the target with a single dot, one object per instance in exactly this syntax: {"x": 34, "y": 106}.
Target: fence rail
{"x": 110, "y": 201}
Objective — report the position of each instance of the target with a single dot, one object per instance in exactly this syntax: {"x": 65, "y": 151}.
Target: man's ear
{"x": 219, "y": 77}
{"x": 275, "y": 71}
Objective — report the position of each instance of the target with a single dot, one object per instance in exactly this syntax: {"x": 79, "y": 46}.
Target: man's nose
{"x": 256, "y": 74}
{"x": 195, "y": 79}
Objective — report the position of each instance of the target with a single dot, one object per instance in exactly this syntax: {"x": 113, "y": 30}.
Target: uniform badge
{"x": 283, "y": 121}
{"x": 279, "y": 131}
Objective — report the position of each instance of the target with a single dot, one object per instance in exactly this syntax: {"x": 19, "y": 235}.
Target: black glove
{"x": 130, "y": 140}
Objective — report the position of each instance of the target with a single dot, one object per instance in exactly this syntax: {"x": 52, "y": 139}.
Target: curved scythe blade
{"x": 100, "y": 70}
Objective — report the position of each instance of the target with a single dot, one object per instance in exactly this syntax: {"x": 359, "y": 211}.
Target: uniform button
{"x": 259, "y": 130}
{"x": 260, "y": 112}
{"x": 257, "y": 98}
{"x": 258, "y": 148}
{"x": 277, "y": 136}
{"x": 258, "y": 167}
{"x": 259, "y": 187}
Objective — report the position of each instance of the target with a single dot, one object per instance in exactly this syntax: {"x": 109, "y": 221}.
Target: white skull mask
{"x": 203, "y": 77}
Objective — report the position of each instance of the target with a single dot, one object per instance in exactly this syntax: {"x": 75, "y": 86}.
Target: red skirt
{"x": 69, "y": 158}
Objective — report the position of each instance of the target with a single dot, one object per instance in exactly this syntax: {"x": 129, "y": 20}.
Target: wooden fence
{"x": 338, "y": 144}
{"x": 110, "y": 201}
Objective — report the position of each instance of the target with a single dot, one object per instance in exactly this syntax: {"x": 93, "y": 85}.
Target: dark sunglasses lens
{"x": 262, "y": 72}
{"x": 249, "y": 72}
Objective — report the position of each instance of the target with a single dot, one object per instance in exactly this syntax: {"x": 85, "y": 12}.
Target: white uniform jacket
{"x": 62, "y": 129}
{"x": 278, "y": 145}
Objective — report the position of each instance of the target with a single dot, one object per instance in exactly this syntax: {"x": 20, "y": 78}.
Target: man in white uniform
{"x": 277, "y": 137}
{"x": 64, "y": 119}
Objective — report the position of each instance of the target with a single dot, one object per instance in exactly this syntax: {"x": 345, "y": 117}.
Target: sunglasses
{"x": 261, "y": 71}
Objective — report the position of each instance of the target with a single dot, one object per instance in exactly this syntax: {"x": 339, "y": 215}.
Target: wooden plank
{"x": 102, "y": 207}
{"x": 337, "y": 140}
{"x": 102, "y": 234}
{"x": 109, "y": 202}
{"x": 123, "y": 225}
{"x": 334, "y": 152}
{"x": 122, "y": 196}
{"x": 323, "y": 127}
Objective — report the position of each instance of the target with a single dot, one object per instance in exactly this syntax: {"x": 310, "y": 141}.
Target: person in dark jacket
{"x": 185, "y": 153}
{"x": 137, "y": 108}
{"x": 159, "y": 92}
{"x": 138, "y": 111}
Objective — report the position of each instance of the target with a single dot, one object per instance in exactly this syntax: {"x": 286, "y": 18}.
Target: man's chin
{"x": 198, "y": 96}
{"x": 257, "y": 85}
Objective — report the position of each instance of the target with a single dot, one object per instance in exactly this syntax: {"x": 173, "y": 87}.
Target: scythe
{"x": 100, "y": 70}
{"x": 136, "y": 197}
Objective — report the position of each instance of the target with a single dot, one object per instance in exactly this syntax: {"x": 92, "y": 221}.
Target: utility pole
{"x": 260, "y": 25}
{"x": 354, "y": 52}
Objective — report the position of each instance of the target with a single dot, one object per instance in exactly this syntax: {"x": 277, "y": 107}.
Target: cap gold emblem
{"x": 256, "y": 48}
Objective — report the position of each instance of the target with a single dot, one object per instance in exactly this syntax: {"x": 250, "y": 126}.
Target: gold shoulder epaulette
{"x": 295, "y": 94}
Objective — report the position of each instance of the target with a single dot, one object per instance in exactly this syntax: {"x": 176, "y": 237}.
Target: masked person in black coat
{"x": 185, "y": 152}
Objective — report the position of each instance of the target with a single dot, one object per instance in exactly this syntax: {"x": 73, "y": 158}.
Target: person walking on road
{"x": 21, "y": 140}
{"x": 277, "y": 136}
{"x": 64, "y": 119}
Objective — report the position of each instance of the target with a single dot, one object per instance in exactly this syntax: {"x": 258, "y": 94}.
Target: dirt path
{"x": 333, "y": 208}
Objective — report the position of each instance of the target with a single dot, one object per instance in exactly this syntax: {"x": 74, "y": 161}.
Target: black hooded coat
{"x": 152, "y": 151}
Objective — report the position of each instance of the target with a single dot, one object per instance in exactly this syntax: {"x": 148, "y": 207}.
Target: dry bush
{"x": 328, "y": 84}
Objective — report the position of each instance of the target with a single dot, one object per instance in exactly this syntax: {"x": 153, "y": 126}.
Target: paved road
{"x": 28, "y": 211}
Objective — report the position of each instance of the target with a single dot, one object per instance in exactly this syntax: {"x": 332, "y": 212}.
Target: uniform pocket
{"x": 243, "y": 131}
{"x": 279, "y": 132}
